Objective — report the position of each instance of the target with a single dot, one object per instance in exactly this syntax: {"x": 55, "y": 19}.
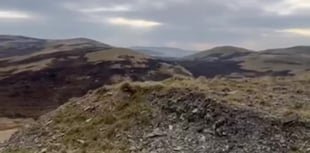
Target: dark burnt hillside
{"x": 33, "y": 84}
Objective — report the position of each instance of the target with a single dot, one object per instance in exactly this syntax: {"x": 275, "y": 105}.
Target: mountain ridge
{"x": 220, "y": 52}
{"x": 163, "y": 51}
{"x": 20, "y": 45}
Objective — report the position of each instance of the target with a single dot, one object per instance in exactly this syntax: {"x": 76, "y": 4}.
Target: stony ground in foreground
{"x": 9, "y": 126}
{"x": 178, "y": 115}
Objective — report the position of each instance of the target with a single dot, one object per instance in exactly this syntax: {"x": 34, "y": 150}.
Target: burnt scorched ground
{"x": 225, "y": 68}
{"x": 33, "y": 93}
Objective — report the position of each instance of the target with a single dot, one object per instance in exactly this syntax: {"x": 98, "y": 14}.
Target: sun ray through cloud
{"x": 140, "y": 23}
{"x": 118, "y": 8}
{"x": 13, "y": 15}
{"x": 297, "y": 31}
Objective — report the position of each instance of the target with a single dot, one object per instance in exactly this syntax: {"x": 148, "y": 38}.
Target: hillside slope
{"x": 35, "y": 83}
{"x": 293, "y": 60}
{"x": 220, "y": 53}
{"x": 15, "y": 46}
{"x": 19, "y": 45}
{"x": 178, "y": 115}
{"x": 300, "y": 50}
{"x": 234, "y": 61}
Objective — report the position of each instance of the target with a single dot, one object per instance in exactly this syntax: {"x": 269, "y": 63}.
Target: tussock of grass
{"x": 98, "y": 124}
{"x": 105, "y": 127}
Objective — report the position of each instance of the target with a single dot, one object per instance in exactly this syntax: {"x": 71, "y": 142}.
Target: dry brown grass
{"x": 117, "y": 55}
{"x": 265, "y": 63}
{"x": 97, "y": 122}
{"x": 33, "y": 66}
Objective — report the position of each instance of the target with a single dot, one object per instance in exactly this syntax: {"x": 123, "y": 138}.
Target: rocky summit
{"x": 180, "y": 114}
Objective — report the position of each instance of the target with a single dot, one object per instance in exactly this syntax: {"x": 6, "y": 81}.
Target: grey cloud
{"x": 184, "y": 22}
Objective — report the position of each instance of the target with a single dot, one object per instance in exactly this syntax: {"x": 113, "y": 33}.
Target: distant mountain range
{"x": 163, "y": 51}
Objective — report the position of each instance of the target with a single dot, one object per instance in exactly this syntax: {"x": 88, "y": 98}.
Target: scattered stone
{"x": 170, "y": 127}
{"x": 202, "y": 139}
{"x": 44, "y": 150}
{"x": 89, "y": 108}
{"x": 88, "y": 120}
{"x": 178, "y": 148}
{"x": 195, "y": 110}
{"x": 156, "y": 133}
{"x": 80, "y": 141}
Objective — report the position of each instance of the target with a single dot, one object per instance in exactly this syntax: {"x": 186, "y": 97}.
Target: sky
{"x": 187, "y": 24}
